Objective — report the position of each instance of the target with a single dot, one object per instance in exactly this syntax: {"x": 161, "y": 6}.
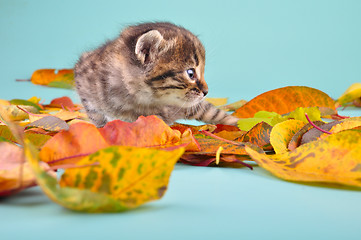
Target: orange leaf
{"x": 211, "y": 145}
{"x": 63, "y": 102}
{"x": 188, "y": 138}
{"x": 84, "y": 138}
{"x": 145, "y": 132}
{"x": 258, "y": 135}
{"x": 285, "y": 100}
{"x": 80, "y": 139}
{"x": 46, "y": 76}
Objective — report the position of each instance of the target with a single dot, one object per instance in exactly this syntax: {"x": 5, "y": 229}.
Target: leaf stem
{"x": 72, "y": 166}
{"x": 314, "y": 125}
{"x": 22, "y": 109}
{"x": 22, "y": 80}
{"x": 222, "y": 139}
{"x": 70, "y": 157}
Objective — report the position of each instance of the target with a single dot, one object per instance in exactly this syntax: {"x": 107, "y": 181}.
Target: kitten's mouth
{"x": 191, "y": 102}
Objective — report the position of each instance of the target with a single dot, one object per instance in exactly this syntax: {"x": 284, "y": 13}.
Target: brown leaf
{"x": 295, "y": 141}
{"x": 205, "y": 160}
{"x": 313, "y": 134}
{"x": 258, "y": 135}
{"x": 50, "y": 123}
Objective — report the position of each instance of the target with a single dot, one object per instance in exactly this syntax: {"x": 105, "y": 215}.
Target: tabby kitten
{"x": 150, "y": 69}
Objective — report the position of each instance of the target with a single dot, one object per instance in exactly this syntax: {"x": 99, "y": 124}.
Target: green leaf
{"x": 60, "y": 84}
{"x": 24, "y": 102}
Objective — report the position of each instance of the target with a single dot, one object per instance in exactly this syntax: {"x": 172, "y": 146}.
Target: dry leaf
{"x": 296, "y": 139}
{"x": 66, "y": 146}
{"x": 50, "y": 123}
{"x": 351, "y": 94}
{"x": 113, "y": 179}
{"x": 233, "y": 106}
{"x": 282, "y": 133}
{"x": 335, "y": 159}
{"x": 285, "y": 100}
{"x": 48, "y": 76}
{"x": 258, "y": 135}
{"x": 217, "y": 101}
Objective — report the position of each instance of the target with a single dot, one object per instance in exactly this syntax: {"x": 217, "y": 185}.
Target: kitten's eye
{"x": 191, "y": 73}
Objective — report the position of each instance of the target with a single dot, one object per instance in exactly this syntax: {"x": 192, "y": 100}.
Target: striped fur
{"x": 150, "y": 69}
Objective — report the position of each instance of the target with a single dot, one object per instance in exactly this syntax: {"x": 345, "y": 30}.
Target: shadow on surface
{"x": 28, "y": 197}
{"x": 264, "y": 173}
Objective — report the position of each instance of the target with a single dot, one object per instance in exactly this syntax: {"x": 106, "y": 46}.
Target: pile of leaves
{"x": 293, "y": 132}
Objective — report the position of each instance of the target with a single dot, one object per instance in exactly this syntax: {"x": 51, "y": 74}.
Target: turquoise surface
{"x": 252, "y": 47}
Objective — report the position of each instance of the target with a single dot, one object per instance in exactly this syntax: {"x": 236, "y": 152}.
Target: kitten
{"x": 150, "y": 69}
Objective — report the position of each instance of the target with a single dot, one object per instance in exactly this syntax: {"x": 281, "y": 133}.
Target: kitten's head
{"x": 173, "y": 61}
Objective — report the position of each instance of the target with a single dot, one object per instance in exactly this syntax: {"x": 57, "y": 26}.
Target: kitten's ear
{"x": 147, "y": 46}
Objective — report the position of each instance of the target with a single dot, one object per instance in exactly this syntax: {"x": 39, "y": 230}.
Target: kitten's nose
{"x": 205, "y": 92}
{"x": 202, "y": 85}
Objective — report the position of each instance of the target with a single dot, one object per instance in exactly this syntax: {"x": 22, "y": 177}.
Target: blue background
{"x": 252, "y": 47}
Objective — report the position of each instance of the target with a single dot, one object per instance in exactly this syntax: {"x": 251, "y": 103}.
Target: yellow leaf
{"x": 113, "y": 179}
{"x": 282, "y": 133}
{"x": 352, "y": 93}
{"x": 13, "y": 113}
{"x": 217, "y": 101}
{"x": 34, "y": 99}
{"x": 131, "y": 175}
{"x": 344, "y": 125}
{"x": 4, "y": 103}
{"x": 335, "y": 159}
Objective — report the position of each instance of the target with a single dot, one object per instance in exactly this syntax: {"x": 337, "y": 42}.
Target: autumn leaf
{"x": 335, "y": 159}
{"x": 204, "y": 160}
{"x": 233, "y": 106}
{"x": 273, "y": 118}
{"x": 72, "y": 143}
{"x": 113, "y": 179}
{"x": 64, "y": 103}
{"x": 350, "y": 123}
{"x": 282, "y": 133}
{"x": 15, "y": 173}
{"x": 217, "y": 101}
{"x": 351, "y": 94}
{"x": 14, "y": 113}
{"x": 188, "y": 138}
{"x": 144, "y": 132}
{"x": 62, "y": 78}
{"x": 67, "y": 146}
{"x": 246, "y": 124}
{"x": 314, "y": 134}
{"x": 25, "y": 103}
{"x": 50, "y": 123}
{"x": 258, "y": 135}
{"x": 285, "y": 100}
{"x": 297, "y": 137}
